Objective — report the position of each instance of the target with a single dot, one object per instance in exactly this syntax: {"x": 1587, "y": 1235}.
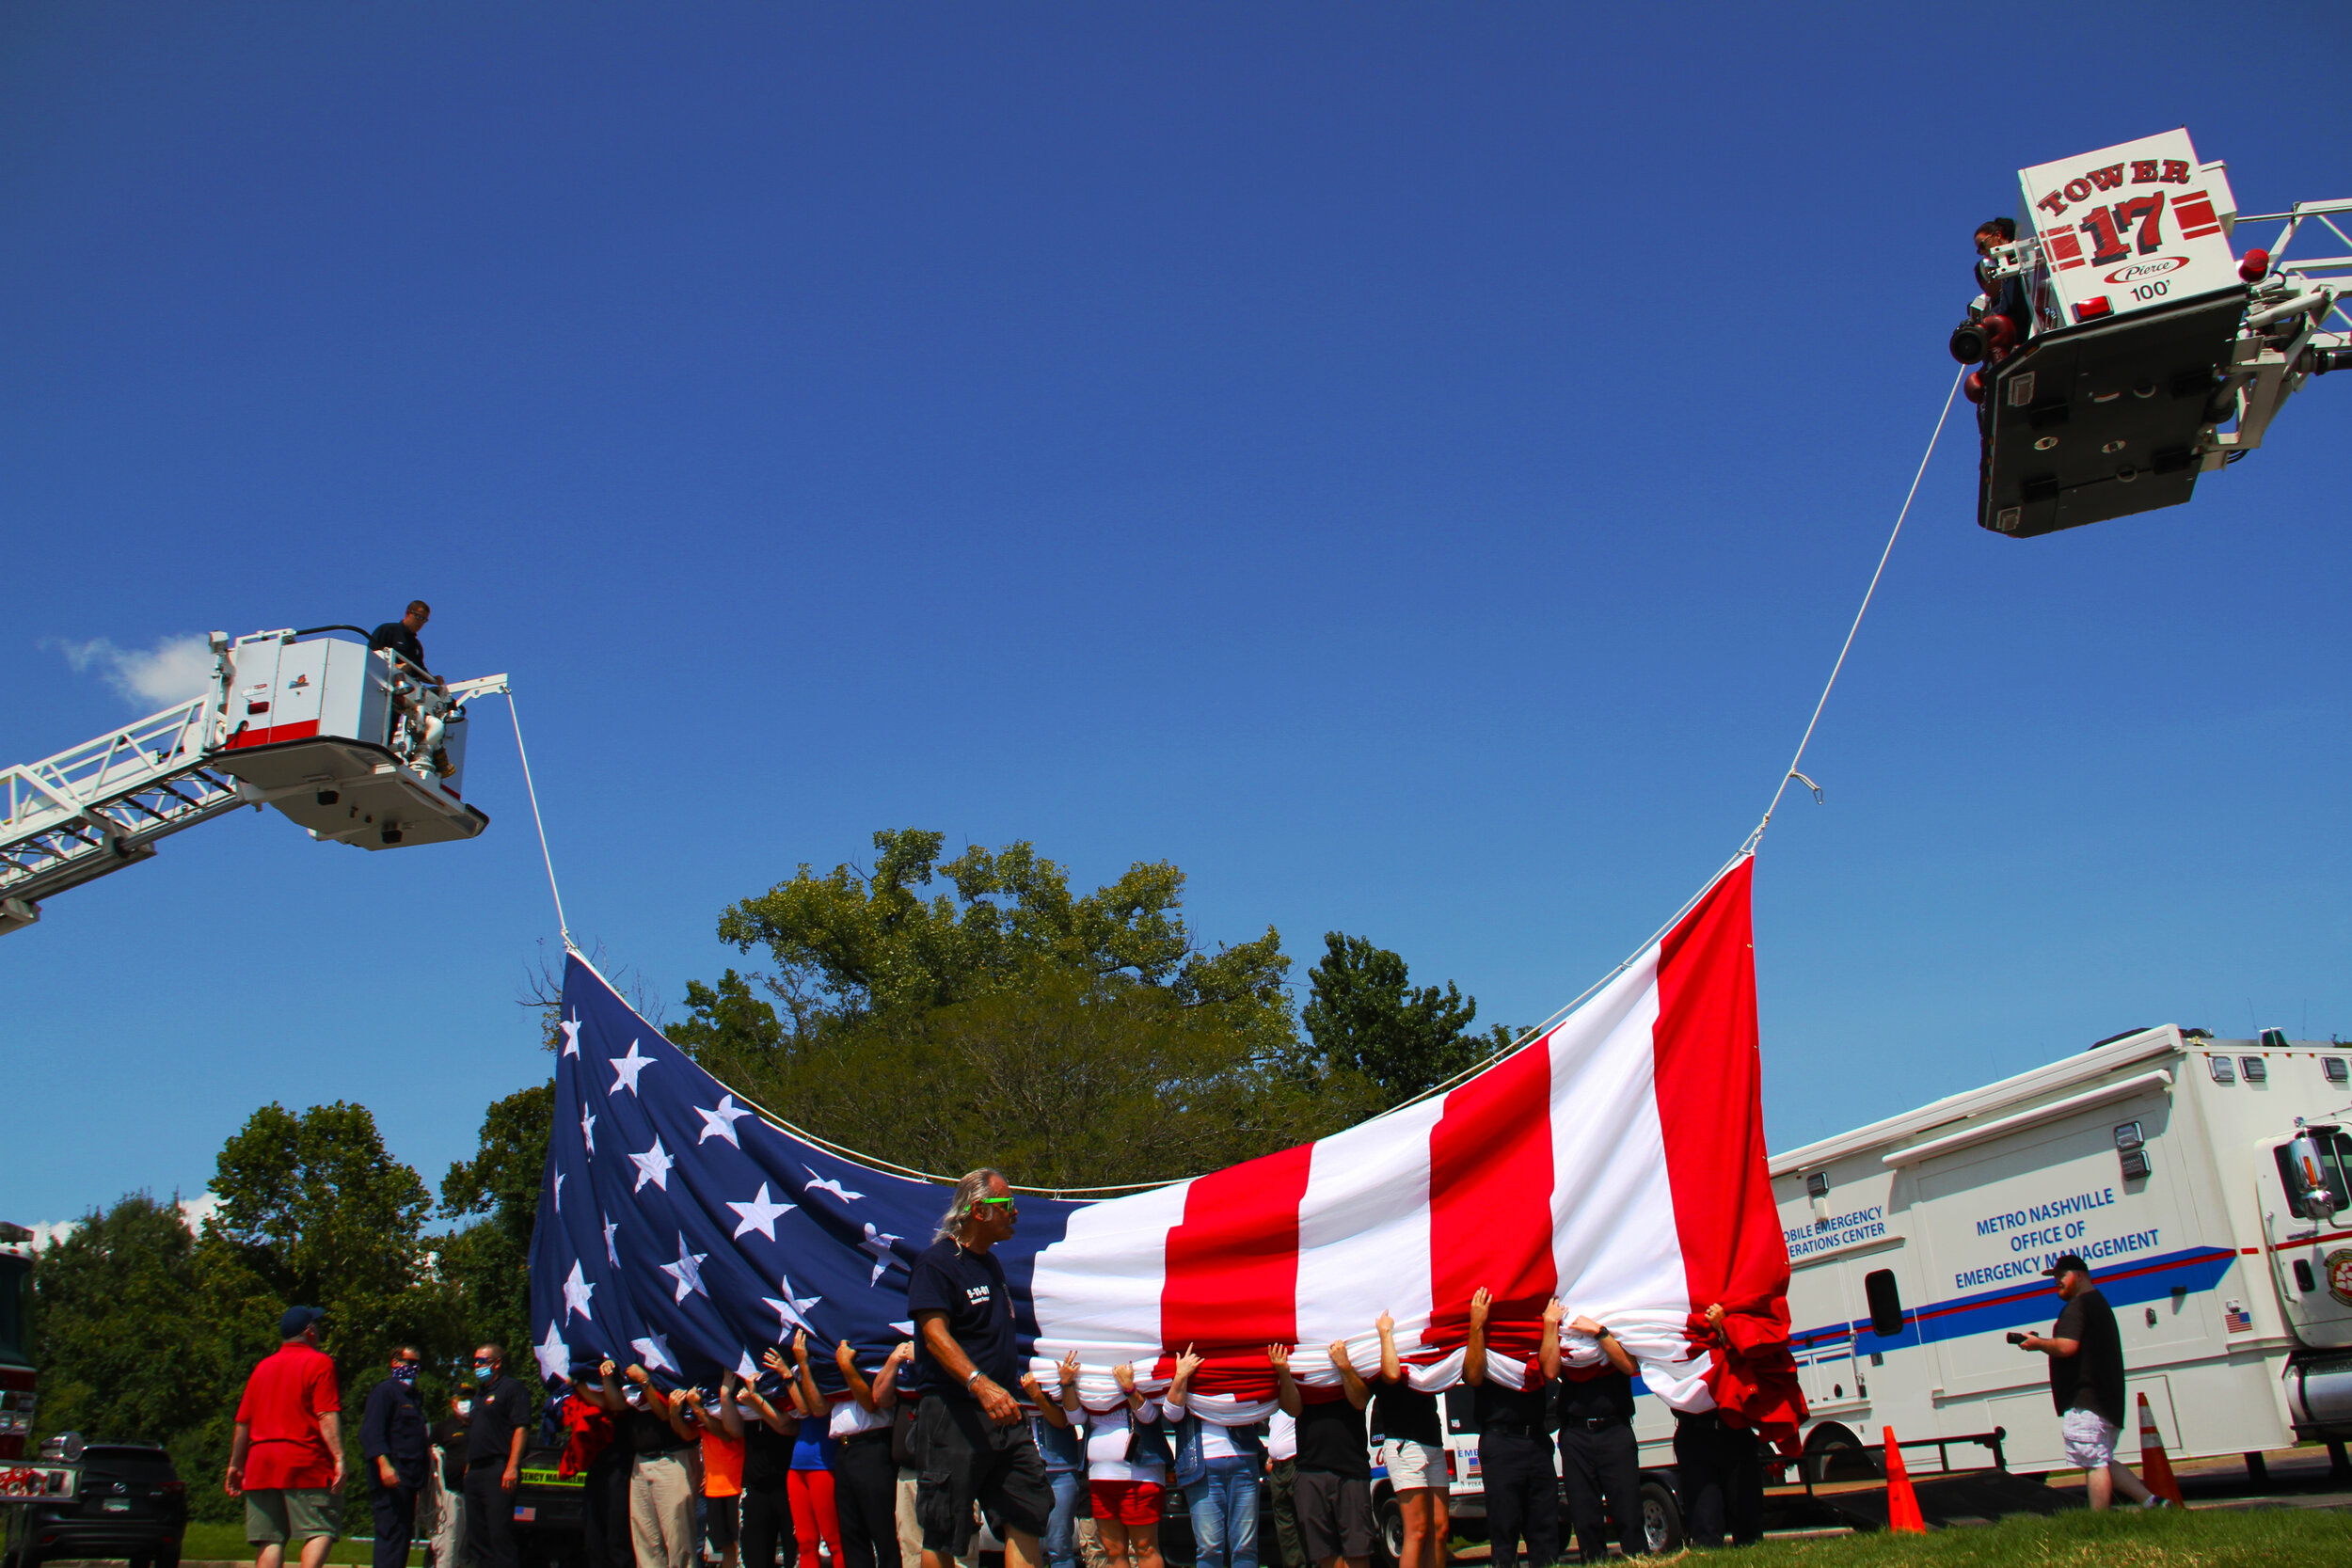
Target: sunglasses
{"x": 984, "y": 1202}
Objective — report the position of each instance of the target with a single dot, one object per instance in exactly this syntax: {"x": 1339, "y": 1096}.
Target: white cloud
{"x": 174, "y": 670}
{"x": 194, "y": 1210}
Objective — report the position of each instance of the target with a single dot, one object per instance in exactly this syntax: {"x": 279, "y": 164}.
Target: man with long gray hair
{"x": 971, "y": 1439}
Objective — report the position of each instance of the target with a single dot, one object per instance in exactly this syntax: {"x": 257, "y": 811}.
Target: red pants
{"x": 813, "y": 1514}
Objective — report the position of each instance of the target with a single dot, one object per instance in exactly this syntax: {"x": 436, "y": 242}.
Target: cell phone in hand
{"x": 2016, "y": 1338}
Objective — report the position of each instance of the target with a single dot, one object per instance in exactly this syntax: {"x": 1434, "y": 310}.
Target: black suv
{"x": 127, "y": 1502}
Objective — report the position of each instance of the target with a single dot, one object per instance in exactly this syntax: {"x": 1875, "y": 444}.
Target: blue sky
{"x": 1411, "y": 466}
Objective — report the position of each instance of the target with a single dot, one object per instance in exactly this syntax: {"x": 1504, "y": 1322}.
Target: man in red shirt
{"x": 287, "y": 1460}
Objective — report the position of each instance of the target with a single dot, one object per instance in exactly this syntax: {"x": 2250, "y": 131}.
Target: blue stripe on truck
{"x": 2195, "y": 1270}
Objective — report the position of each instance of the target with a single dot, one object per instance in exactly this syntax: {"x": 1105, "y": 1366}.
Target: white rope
{"x": 1808, "y": 738}
{"x": 562, "y": 928}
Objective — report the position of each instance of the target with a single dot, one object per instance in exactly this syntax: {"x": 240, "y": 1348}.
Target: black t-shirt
{"x": 649, "y": 1434}
{"x": 968, "y": 1287}
{"x": 396, "y": 636}
{"x": 499, "y": 1408}
{"x": 449, "y": 1435}
{"x": 1331, "y": 1439}
{"x": 2093, "y": 1377}
{"x": 1606, "y": 1395}
{"x": 767, "y": 1456}
{"x": 1404, "y": 1413}
{"x": 1517, "y": 1410}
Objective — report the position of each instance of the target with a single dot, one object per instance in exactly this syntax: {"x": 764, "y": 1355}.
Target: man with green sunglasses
{"x": 971, "y": 1440}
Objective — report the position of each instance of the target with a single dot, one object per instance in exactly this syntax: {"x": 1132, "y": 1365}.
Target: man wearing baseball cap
{"x": 287, "y": 1458}
{"x": 2085, "y": 1354}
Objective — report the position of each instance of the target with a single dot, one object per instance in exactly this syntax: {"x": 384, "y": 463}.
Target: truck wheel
{"x": 1387, "y": 1536}
{"x": 1662, "y": 1519}
{"x": 1835, "y": 1453}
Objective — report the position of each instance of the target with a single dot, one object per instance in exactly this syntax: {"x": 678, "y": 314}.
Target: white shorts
{"x": 1411, "y": 1464}
{"x": 2090, "y": 1438}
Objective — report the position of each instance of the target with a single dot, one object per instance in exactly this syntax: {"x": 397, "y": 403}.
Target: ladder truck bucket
{"x": 356, "y": 744}
{"x": 2155, "y": 354}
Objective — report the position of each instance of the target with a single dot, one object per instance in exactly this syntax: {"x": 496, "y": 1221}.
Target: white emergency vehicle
{"x": 2202, "y": 1180}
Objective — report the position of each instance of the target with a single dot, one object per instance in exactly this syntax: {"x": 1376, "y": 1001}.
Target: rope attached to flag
{"x": 531, "y": 790}
{"x": 1806, "y": 738}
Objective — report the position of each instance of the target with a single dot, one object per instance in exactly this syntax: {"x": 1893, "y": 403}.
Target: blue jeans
{"x": 1060, "y": 1539}
{"x": 1225, "y": 1514}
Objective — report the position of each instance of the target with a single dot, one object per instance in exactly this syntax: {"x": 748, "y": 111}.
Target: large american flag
{"x": 1616, "y": 1161}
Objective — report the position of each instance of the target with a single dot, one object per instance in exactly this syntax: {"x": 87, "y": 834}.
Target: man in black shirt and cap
{"x": 2085, "y": 1352}
{"x": 1599, "y": 1460}
{"x": 392, "y": 1447}
{"x": 400, "y": 635}
{"x": 972, "y": 1442}
{"x": 1515, "y": 1449}
{"x": 495, "y": 1434}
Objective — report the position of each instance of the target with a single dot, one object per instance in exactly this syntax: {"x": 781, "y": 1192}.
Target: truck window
{"x": 1887, "y": 1303}
{"x": 2335, "y": 1162}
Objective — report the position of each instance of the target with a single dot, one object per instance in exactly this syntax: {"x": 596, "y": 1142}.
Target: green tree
{"x": 488, "y": 1262}
{"x": 313, "y": 1210}
{"x": 1081, "y": 1039}
{"x": 126, "y": 1343}
{"x": 855, "y": 943}
{"x": 1363, "y": 1013}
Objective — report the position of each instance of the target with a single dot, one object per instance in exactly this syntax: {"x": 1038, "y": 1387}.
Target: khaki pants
{"x": 661, "y": 1511}
{"x": 448, "y": 1519}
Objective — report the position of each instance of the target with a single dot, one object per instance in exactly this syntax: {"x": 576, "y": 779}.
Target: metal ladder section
{"x": 103, "y": 805}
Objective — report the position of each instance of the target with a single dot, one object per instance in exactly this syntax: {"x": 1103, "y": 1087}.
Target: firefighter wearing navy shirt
{"x": 971, "y": 1439}
{"x": 400, "y": 635}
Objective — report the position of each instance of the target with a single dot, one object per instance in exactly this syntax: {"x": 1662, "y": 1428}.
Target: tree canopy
{"x": 1363, "y": 1014}
{"x": 1079, "y": 1039}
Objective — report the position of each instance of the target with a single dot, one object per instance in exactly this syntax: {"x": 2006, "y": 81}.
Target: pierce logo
{"x": 2339, "y": 1270}
{"x": 2154, "y": 268}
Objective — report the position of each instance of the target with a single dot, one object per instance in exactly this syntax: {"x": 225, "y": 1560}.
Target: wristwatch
{"x": 973, "y": 1378}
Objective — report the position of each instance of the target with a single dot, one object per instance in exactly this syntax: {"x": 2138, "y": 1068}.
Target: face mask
{"x": 406, "y": 1372}
{"x": 482, "y": 1375}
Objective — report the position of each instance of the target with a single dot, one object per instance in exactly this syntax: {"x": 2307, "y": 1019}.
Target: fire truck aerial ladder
{"x": 357, "y": 744}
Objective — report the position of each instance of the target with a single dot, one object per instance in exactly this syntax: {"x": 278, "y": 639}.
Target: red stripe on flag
{"x": 1231, "y": 1280}
{"x": 1710, "y": 1105}
{"x": 1490, "y": 1201}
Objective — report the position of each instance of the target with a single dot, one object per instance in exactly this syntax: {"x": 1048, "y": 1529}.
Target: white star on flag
{"x": 789, "y": 1311}
{"x": 612, "y": 1253}
{"x": 722, "y": 1120}
{"x": 654, "y": 1167}
{"x": 831, "y": 1185}
{"x": 654, "y": 1352}
{"x": 906, "y": 1328}
{"x": 558, "y": 1192}
{"x": 687, "y": 1270}
{"x": 571, "y": 1034}
{"x": 877, "y": 1243}
{"x": 555, "y": 1356}
{"x": 576, "y": 1294}
{"x": 626, "y": 1069}
{"x": 588, "y": 1129}
{"x": 744, "y": 1370}
{"x": 760, "y": 1214}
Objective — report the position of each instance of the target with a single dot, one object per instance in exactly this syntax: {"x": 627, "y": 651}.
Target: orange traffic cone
{"x": 1902, "y": 1504}
{"x": 2155, "y": 1471}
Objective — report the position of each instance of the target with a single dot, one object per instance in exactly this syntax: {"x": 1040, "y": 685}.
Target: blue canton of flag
{"x": 681, "y": 1230}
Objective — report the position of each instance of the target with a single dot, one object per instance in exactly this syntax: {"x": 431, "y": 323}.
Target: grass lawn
{"x": 2199, "y": 1538}
{"x": 225, "y": 1544}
